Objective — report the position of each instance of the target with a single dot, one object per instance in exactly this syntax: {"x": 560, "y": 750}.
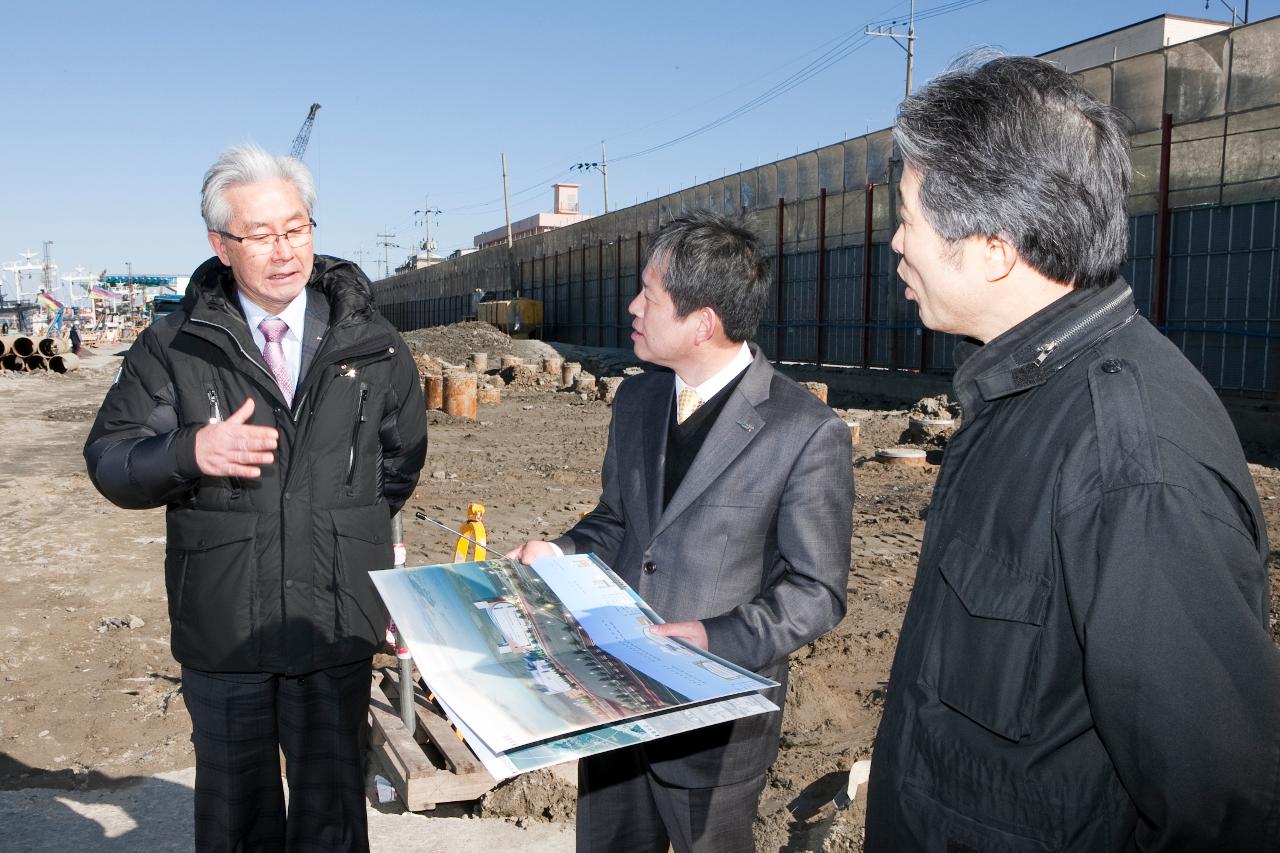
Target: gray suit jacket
{"x": 755, "y": 542}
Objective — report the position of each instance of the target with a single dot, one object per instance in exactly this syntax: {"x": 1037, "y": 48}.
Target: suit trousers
{"x": 624, "y": 808}
{"x": 240, "y": 724}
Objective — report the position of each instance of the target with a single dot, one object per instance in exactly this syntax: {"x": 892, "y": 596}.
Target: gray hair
{"x": 713, "y": 262}
{"x": 247, "y": 164}
{"x": 1015, "y": 147}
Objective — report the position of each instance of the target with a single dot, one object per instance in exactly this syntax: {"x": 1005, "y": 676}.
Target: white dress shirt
{"x": 722, "y": 377}
{"x": 294, "y": 316}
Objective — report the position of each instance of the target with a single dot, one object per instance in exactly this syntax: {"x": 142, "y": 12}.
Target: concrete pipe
{"x": 460, "y": 395}
{"x": 552, "y": 366}
{"x": 569, "y": 372}
{"x": 910, "y": 456}
{"x": 20, "y": 345}
{"x": 489, "y": 395}
{"x": 434, "y": 391}
{"x": 478, "y": 362}
{"x": 511, "y": 361}
{"x": 36, "y": 362}
{"x": 64, "y": 363}
{"x": 13, "y": 361}
{"x": 49, "y": 347}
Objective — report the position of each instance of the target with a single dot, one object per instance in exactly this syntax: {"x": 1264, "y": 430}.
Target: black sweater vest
{"x": 685, "y": 440}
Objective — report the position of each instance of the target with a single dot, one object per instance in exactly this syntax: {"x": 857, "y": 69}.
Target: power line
{"x": 845, "y": 47}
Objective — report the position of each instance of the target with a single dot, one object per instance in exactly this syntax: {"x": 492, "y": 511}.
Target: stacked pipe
{"x": 24, "y": 353}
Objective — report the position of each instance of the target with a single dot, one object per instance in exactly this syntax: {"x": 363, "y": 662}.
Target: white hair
{"x": 247, "y": 164}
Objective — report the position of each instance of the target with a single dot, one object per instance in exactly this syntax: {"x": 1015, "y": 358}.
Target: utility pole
{"x": 603, "y": 168}
{"x": 506, "y": 202}
{"x": 387, "y": 246}
{"x": 360, "y": 253}
{"x": 604, "y": 173}
{"x": 427, "y": 213}
{"x": 909, "y": 38}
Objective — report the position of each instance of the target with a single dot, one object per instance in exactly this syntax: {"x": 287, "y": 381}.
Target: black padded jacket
{"x": 1085, "y": 662}
{"x": 268, "y": 574}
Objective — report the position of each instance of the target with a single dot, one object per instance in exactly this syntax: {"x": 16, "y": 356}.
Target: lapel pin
{"x": 748, "y": 427}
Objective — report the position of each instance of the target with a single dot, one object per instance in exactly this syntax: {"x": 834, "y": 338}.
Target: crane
{"x": 304, "y": 133}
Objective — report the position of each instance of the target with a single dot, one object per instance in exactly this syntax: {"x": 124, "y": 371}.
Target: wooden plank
{"x": 457, "y": 755}
{"x": 400, "y": 754}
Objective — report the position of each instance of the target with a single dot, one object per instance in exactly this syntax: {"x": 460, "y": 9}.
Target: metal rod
{"x": 422, "y": 516}
{"x": 866, "y": 279}
{"x": 1160, "y": 286}
{"x": 777, "y": 338}
{"x": 822, "y": 271}
{"x": 407, "y": 700}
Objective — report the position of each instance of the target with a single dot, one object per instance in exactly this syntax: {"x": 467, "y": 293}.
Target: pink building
{"x": 564, "y": 213}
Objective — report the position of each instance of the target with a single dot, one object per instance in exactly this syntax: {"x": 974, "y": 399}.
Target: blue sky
{"x": 114, "y": 110}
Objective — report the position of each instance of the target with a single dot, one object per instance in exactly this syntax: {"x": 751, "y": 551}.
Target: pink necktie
{"x": 274, "y": 329}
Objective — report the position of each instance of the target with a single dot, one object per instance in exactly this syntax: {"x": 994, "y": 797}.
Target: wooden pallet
{"x": 431, "y": 766}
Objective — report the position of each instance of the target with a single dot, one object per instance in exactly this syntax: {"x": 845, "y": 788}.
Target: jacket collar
{"x": 1026, "y": 356}
{"x": 211, "y": 292}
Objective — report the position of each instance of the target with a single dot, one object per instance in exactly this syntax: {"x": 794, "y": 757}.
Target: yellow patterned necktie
{"x": 687, "y": 404}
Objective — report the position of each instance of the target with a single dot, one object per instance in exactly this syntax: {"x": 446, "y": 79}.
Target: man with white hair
{"x": 279, "y": 420}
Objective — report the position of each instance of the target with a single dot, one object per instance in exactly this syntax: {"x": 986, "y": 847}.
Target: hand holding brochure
{"x": 542, "y": 664}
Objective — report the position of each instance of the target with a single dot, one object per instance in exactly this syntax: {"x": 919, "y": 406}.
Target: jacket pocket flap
{"x": 366, "y": 523}
{"x": 201, "y": 529}
{"x": 991, "y": 588}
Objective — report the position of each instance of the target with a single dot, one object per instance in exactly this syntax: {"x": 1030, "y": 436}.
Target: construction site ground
{"x": 95, "y": 748}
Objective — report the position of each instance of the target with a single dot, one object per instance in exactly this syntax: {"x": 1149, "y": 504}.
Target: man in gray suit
{"x": 727, "y": 504}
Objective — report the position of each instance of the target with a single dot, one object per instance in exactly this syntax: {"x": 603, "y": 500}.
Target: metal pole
{"x": 822, "y": 270}
{"x": 506, "y": 203}
{"x": 1160, "y": 286}
{"x": 911, "y": 45}
{"x": 407, "y": 697}
{"x": 777, "y": 338}
{"x": 600, "y": 293}
{"x": 866, "y": 280}
{"x": 604, "y": 173}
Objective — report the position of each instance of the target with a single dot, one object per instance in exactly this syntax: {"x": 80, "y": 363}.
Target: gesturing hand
{"x": 234, "y": 448}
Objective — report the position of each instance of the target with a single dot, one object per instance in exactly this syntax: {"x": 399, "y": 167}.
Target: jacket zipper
{"x": 215, "y": 417}
{"x": 1046, "y": 348}
{"x": 215, "y": 411}
{"x": 354, "y": 453}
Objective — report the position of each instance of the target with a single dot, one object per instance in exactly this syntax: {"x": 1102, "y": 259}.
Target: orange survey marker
{"x": 472, "y": 533}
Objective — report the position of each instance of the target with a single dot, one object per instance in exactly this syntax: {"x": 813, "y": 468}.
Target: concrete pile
{"x": 23, "y": 354}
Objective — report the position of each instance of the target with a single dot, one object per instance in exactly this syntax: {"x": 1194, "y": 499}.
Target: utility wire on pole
{"x": 602, "y": 167}
{"x": 899, "y": 38}
{"x": 387, "y": 246}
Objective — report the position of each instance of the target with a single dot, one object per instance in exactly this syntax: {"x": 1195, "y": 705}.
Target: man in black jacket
{"x": 279, "y": 420}
{"x": 1085, "y": 663}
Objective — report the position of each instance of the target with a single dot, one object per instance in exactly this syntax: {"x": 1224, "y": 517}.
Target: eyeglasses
{"x": 261, "y": 244}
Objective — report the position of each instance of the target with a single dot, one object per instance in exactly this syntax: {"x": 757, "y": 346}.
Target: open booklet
{"x": 546, "y": 663}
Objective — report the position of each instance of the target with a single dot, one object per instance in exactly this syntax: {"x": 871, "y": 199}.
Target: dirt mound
{"x": 454, "y": 343}
{"x": 541, "y": 795}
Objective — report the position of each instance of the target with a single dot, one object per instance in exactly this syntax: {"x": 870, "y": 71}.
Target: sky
{"x": 113, "y": 111}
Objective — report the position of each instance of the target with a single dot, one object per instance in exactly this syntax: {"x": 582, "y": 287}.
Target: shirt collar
{"x": 740, "y": 362}
{"x": 294, "y": 314}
